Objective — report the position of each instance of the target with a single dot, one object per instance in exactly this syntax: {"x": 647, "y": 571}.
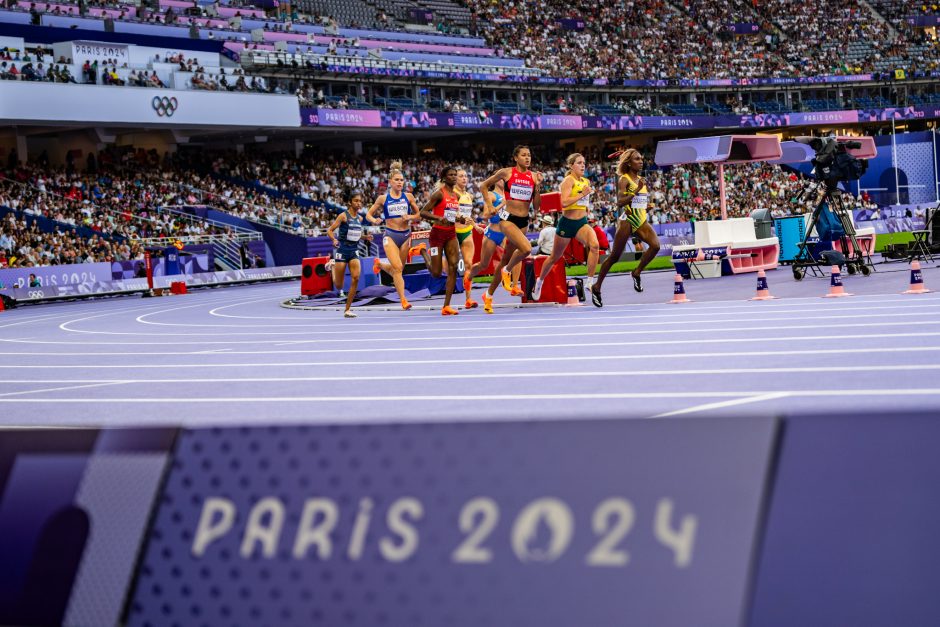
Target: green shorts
{"x": 568, "y": 228}
{"x": 464, "y": 235}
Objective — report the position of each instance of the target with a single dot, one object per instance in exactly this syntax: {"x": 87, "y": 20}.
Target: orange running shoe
{"x": 376, "y": 266}
{"x": 405, "y": 304}
{"x": 416, "y": 250}
{"x": 487, "y": 303}
{"x": 516, "y": 291}
{"x": 449, "y": 311}
{"x": 467, "y": 283}
{"x": 507, "y": 280}
{"x": 471, "y": 304}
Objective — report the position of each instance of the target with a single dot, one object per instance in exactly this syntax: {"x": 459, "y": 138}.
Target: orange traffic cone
{"x": 917, "y": 280}
{"x": 835, "y": 285}
{"x": 678, "y": 293}
{"x": 573, "y": 300}
{"x": 763, "y": 291}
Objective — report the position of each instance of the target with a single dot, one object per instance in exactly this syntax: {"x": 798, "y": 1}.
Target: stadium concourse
{"x": 233, "y": 356}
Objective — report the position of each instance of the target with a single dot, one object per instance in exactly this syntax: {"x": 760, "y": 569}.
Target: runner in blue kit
{"x": 345, "y": 232}
{"x": 399, "y": 210}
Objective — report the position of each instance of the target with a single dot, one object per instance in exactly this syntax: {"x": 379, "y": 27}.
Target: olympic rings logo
{"x": 36, "y": 295}
{"x": 164, "y": 106}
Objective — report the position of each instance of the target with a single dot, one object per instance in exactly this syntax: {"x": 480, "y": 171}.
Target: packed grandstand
{"x": 476, "y": 58}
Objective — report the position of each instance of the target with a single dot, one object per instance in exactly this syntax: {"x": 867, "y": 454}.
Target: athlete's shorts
{"x": 521, "y": 221}
{"x": 463, "y": 232}
{"x": 399, "y": 237}
{"x": 634, "y": 217}
{"x": 345, "y": 254}
{"x": 568, "y": 228}
{"x": 440, "y": 236}
{"x": 496, "y": 236}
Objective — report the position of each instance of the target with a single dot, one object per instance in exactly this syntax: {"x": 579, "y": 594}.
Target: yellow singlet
{"x": 635, "y": 214}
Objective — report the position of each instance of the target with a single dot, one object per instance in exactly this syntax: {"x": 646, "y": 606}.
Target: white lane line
{"x": 740, "y": 303}
{"x": 722, "y": 404}
{"x": 758, "y": 326}
{"x": 562, "y": 314}
{"x": 59, "y": 389}
{"x": 343, "y": 328}
{"x": 411, "y": 348}
{"x": 835, "y": 351}
{"x": 549, "y": 377}
{"x": 488, "y": 398}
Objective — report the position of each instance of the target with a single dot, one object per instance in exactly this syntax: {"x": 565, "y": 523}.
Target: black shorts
{"x": 521, "y": 221}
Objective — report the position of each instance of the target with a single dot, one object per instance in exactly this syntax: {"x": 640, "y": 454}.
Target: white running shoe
{"x": 342, "y": 294}
{"x": 537, "y": 290}
{"x": 349, "y": 314}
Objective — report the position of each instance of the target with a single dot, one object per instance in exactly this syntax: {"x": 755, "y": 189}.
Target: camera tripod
{"x": 829, "y": 195}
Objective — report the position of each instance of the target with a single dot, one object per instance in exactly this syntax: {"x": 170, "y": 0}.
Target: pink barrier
{"x": 237, "y": 46}
{"x": 176, "y": 4}
{"x": 247, "y": 13}
{"x": 203, "y": 22}
{"x": 270, "y": 35}
{"x": 71, "y": 9}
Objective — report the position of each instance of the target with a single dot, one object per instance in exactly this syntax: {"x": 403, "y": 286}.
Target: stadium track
{"x": 234, "y": 356}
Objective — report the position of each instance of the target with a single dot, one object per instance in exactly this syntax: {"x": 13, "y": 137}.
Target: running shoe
{"x": 405, "y": 304}
{"x": 349, "y": 314}
{"x": 537, "y": 290}
{"x": 449, "y": 311}
{"x": 637, "y": 283}
{"x": 342, "y": 294}
{"x": 376, "y": 266}
{"x": 596, "y": 297}
{"x": 487, "y": 303}
{"x": 417, "y": 250}
{"x": 516, "y": 291}
{"x": 507, "y": 280}
{"x": 471, "y": 304}
{"x": 467, "y": 283}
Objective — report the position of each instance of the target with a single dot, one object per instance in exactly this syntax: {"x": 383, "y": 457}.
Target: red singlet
{"x": 520, "y": 186}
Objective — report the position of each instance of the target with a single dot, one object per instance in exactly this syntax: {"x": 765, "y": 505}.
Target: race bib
{"x": 520, "y": 192}
{"x": 465, "y": 210}
{"x": 503, "y": 214}
{"x": 354, "y": 234}
{"x": 397, "y": 209}
{"x": 338, "y": 256}
{"x": 640, "y": 201}
{"x": 450, "y": 215}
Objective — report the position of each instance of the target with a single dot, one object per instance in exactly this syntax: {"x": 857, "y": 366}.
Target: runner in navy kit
{"x": 348, "y": 228}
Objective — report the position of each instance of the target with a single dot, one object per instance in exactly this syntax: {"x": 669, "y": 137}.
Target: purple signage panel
{"x": 538, "y": 523}
{"x": 341, "y": 117}
{"x": 851, "y": 535}
{"x": 74, "y": 508}
{"x": 742, "y": 28}
{"x": 57, "y": 276}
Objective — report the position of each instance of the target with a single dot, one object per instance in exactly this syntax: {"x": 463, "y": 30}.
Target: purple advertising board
{"x": 74, "y": 508}
{"x": 372, "y": 118}
{"x": 851, "y": 534}
{"x": 57, "y": 276}
{"x": 502, "y": 523}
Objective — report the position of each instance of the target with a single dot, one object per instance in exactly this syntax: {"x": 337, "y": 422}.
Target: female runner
{"x": 465, "y": 230}
{"x": 522, "y": 192}
{"x": 633, "y": 199}
{"x": 441, "y": 211}
{"x": 394, "y": 205}
{"x": 575, "y": 192}
{"x": 348, "y": 228}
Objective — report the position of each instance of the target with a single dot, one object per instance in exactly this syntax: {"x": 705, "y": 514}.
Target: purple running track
{"x": 234, "y": 356}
